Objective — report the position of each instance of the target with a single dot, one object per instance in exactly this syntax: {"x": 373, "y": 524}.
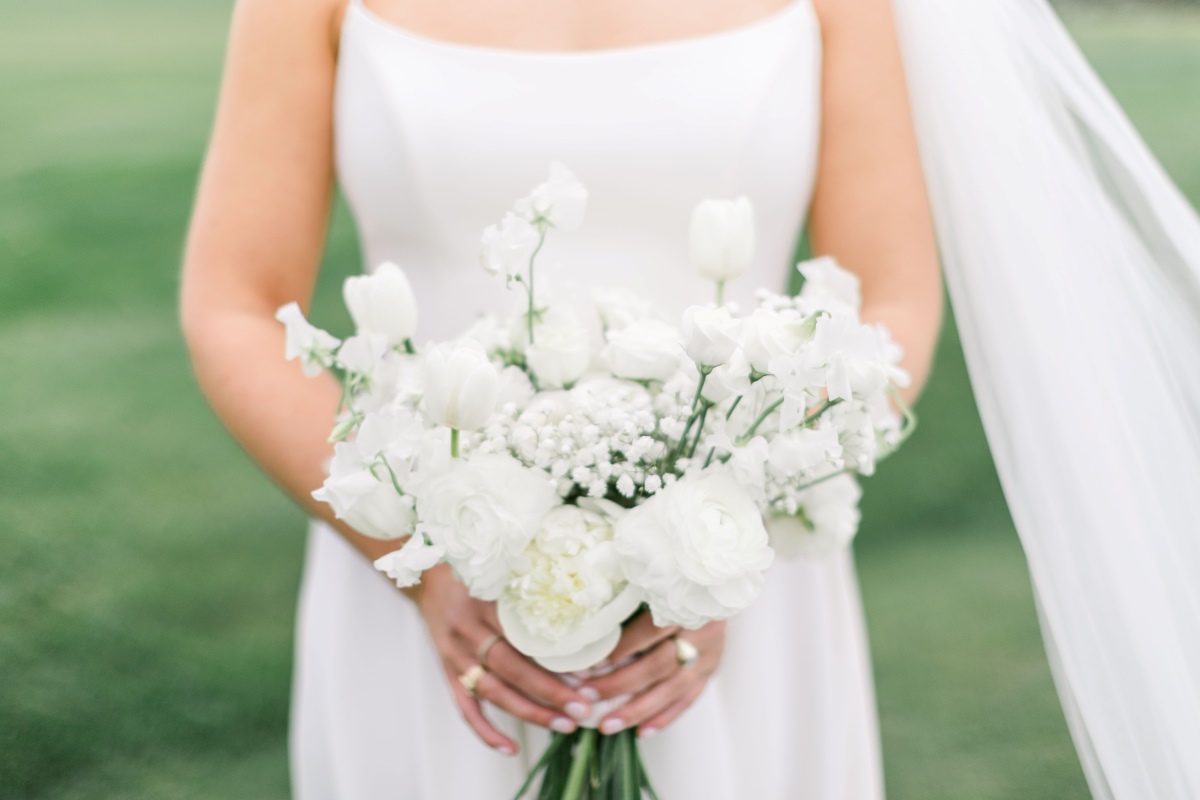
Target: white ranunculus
{"x": 829, "y": 286}
{"x": 505, "y": 249}
{"x": 461, "y": 385}
{"x": 731, "y": 379}
{"x": 766, "y": 334}
{"x": 619, "y": 307}
{"x": 709, "y": 335}
{"x": 646, "y": 350}
{"x": 827, "y": 521}
{"x": 313, "y": 346}
{"x": 561, "y": 351}
{"x": 382, "y": 303}
{"x": 698, "y": 549}
{"x": 721, "y": 238}
{"x": 561, "y": 608}
{"x": 404, "y": 566}
{"x": 484, "y": 510}
{"x": 365, "y": 500}
{"x": 561, "y": 200}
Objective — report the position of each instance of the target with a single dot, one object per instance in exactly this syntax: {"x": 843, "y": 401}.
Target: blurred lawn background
{"x": 148, "y": 572}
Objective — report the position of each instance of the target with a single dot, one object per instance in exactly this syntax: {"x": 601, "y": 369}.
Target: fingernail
{"x": 646, "y": 733}
{"x": 589, "y": 694}
{"x": 562, "y": 725}
{"x": 507, "y": 749}
{"x": 611, "y": 726}
{"x": 577, "y": 709}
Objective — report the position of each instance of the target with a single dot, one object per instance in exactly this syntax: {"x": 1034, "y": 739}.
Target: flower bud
{"x": 461, "y": 386}
{"x": 382, "y": 303}
{"x": 721, "y": 239}
{"x": 709, "y": 335}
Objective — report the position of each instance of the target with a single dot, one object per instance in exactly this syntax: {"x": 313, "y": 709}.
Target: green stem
{"x": 768, "y": 411}
{"x": 720, "y": 292}
{"x": 580, "y": 765}
{"x": 454, "y": 442}
{"x": 529, "y": 283}
{"x": 732, "y": 408}
{"x": 699, "y": 430}
{"x": 816, "y": 415}
{"x": 408, "y": 347}
{"x": 692, "y": 416}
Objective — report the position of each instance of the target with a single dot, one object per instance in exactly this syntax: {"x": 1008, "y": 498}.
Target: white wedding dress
{"x": 435, "y": 141}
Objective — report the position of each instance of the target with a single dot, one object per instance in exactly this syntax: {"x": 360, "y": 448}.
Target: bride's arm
{"x": 255, "y": 243}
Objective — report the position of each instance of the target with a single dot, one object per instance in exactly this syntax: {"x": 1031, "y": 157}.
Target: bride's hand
{"x": 661, "y": 686}
{"x": 462, "y": 627}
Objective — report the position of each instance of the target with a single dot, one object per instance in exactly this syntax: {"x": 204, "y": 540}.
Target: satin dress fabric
{"x": 435, "y": 141}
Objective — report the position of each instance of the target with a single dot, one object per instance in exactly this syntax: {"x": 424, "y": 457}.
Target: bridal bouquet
{"x": 573, "y": 471}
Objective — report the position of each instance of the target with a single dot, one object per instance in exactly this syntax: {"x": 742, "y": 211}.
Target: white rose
{"x": 828, "y": 286}
{"x": 404, "y": 566}
{"x": 365, "y": 500}
{"x": 647, "y": 350}
{"x": 484, "y": 510}
{"x": 461, "y": 385}
{"x": 566, "y": 610}
{"x": 382, "y": 303}
{"x": 731, "y": 379}
{"x": 619, "y": 307}
{"x": 698, "y": 549}
{"x": 709, "y": 335}
{"x": 561, "y": 351}
{"x": 505, "y": 249}
{"x": 561, "y": 200}
{"x": 767, "y": 334}
{"x": 313, "y": 346}
{"x": 827, "y": 522}
{"x": 721, "y": 238}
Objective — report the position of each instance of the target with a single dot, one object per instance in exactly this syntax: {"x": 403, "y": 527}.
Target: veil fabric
{"x": 1073, "y": 266}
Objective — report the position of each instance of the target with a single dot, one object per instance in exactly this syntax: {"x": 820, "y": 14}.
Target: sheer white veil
{"x": 1073, "y": 265}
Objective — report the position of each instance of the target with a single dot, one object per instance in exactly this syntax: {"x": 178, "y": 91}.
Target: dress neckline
{"x": 725, "y": 36}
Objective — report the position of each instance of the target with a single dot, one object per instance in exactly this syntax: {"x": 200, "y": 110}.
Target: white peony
{"x": 382, "y": 303}
{"x": 619, "y": 307}
{"x": 461, "y": 385}
{"x": 827, "y": 521}
{"x": 505, "y": 249}
{"x": 361, "y": 493}
{"x": 721, "y": 238}
{"x": 313, "y": 346}
{"x": 767, "y": 334}
{"x": 561, "y": 351}
{"x": 404, "y": 566}
{"x": 709, "y": 335}
{"x": 561, "y": 200}
{"x": 698, "y": 549}
{"x": 484, "y": 510}
{"x": 646, "y": 350}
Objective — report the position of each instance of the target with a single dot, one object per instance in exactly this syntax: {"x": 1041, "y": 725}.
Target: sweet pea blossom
{"x": 461, "y": 385}
{"x": 709, "y": 335}
{"x": 721, "y": 238}
{"x": 382, "y": 304}
{"x": 646, "y": 350}
{"x": 561, "y": 200}
{"x": 505, "y": 249}
{"x": 404, "y": 566}
{"x": 313, "y": 346}
{"x": 766, "y": 334}
{"x": 827, "y": 521}
{"x": 363, "y": 495}
{"x": 829, "y": 286}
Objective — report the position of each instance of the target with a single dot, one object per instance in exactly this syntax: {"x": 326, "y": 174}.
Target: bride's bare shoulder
{"x": 847, "y": 15}
{"x": 294, "y": 20}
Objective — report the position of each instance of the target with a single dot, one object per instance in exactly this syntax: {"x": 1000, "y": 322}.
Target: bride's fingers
{"x": 534, "y": 682}
{"x": 656, "y": 699}
{"x": 640, "y": 674}
{"x": 472, "y": 712}
{"x": 668, "y": 715}
{"x": 639, "y": 635}
{"x": 501, "y": 695}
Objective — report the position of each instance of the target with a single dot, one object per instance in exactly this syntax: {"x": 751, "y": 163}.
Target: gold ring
{"x": 485, "y": 648}
{"x": 685, "y": 652}
{"x": 470, "y": 678}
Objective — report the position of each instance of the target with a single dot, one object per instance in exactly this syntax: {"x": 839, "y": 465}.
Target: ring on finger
{"x": 686, "y": 653}
{"x": 482, "y": 653}
{"x": 469, "y": 680}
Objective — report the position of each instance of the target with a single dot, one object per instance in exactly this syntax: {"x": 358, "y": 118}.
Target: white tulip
{"x": 561, "y": 351}
{"x": 404, "y": 566}
{"x": 721, "y": 238}
{"x": 461, "y": 386}
{"x": 647, "y": 350}
{"x": 561, "y": 200}
{"x": 313, "y": 346}
{"x": 506, "y": 248}
{"x": 709, "y": 335}
{"x": 382, "y": 303}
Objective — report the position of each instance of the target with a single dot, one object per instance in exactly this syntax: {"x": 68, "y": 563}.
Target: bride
{"x": 432, "y": 117}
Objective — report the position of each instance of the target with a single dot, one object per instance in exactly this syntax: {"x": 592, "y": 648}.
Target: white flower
{"x": 858, "y": 360}
{"x": 561, "y": 351}
{"x": 829, "y": 287}
{"x": 361, "y": 492}
{"x": 698, "y": 549}
{"x": 619, "y": 307}
{"x": 721, "y": 238}
{"x": 461, "y": 385}
{"x": 561, "y": 200}
{"x": 515, "y": 388}
{"x": 484, "y": 510}
{"x": 709, "y": 335}
{"x": 506, "y": 248}
{"x": 731, "y": 379}
{"x": 363, "y": 354}
{"x": 827, "y": 521}
{"x": 382, "y": 303}
{"x": 806, "y": 451}
{"x": 767, "y": 334}
{"x": 646, "y": 350}
{"x": 313, "y": 346}
{"x": 404, "y": 566}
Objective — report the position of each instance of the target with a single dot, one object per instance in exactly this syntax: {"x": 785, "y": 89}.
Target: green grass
{"x": 148, "y": 572}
